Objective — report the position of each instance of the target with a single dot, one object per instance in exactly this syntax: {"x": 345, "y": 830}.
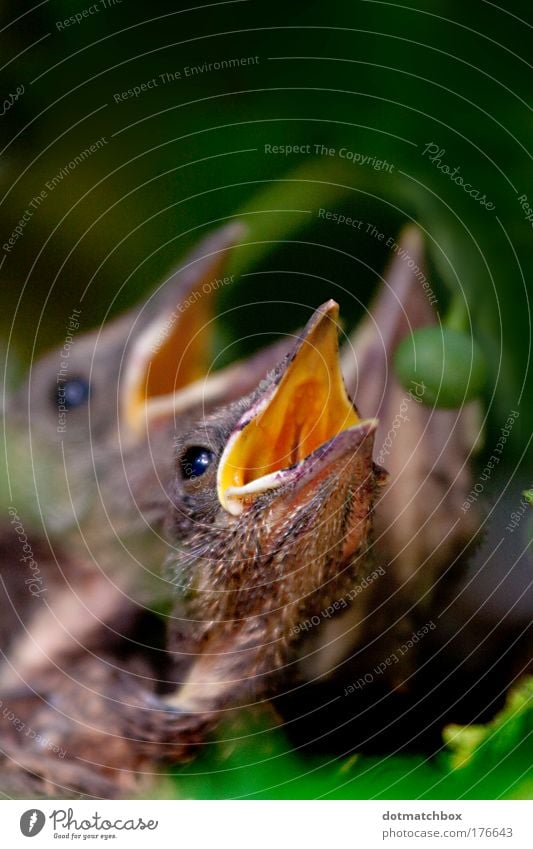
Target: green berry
{"x": 448, "y": 363}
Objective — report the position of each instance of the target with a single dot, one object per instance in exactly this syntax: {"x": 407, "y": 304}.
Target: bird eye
{"x": 72, "y": 393}
{"x": 195, "y": 461}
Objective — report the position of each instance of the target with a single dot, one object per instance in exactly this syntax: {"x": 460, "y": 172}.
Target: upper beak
{"x": 302, "y": 413}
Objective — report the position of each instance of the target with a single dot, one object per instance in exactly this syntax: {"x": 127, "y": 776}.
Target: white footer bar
{"x": 268, "y": 824}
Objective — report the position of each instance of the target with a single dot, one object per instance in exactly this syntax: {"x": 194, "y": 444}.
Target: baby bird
{"x": 272, "y": 505}
{"x": 270, "y": 516}
{"x": 98, "y": 418}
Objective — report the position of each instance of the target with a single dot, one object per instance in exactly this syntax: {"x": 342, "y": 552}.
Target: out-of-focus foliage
{"x": 477, "y": 762}
{"x": 381, "y": 80}
{"x": 446, "y": 361}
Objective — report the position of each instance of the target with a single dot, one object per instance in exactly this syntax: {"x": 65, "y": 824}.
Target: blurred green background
{"x": 478, "y": 762}
{"x": 380, "y": 79}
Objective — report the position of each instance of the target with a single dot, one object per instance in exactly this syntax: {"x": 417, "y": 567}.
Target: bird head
{"x": 100, "y": 410}
{"x": 133, "y": 370}
{"x": 272, "y": 506}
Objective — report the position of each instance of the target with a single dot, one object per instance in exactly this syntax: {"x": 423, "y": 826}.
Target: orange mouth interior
{"x": 171, "y": 354}
{"x": 308, "y": 408}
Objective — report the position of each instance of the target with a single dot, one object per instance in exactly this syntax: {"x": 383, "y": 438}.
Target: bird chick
{"x": 99, "y": 428}
{"x": 271, "y": 516}
{"x": 271, "y": 509}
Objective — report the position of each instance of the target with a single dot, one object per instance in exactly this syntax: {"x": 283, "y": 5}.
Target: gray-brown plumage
{"x": 278, "y": 524}
{"x": 235, "y": 634}
{"x": 271, "y": 511}
{"x": 420, "y": 529}
{"x": 99, "y": 424}
{"x": 434, "y": 569}
{"x": 102, "y": 472}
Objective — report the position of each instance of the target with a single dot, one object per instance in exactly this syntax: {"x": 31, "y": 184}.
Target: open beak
{"x": 172, "y": 353}
{"x": 299, "y": 418}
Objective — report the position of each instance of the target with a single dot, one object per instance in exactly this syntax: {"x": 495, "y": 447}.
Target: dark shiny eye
{"x": 195, "y": 461}
{"x": 72, "y": 393}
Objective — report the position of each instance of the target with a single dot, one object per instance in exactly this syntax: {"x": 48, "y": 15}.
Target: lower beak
{"x": 304, "y": 422}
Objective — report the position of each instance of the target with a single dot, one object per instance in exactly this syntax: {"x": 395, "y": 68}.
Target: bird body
{"x": 259, "y": 495}
{"x": 247, "y": 561}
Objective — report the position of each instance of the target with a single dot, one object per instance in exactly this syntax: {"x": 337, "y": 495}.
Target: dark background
{"x": 381, "y": 79}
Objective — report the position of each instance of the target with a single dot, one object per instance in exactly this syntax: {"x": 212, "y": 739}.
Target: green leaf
{"x": 253, "y": 759}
